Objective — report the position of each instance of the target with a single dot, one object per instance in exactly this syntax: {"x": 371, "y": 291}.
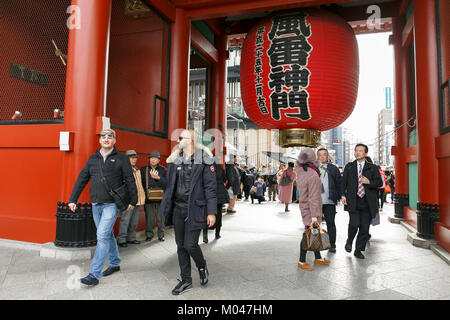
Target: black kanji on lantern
{"x": 290, "y": 24}
{"x": 297, "y": 77}
{"x": 260, "y": 100}
{"x": 289, "y": 76}
{"x": 293, "y": 100}
{"x": 299, "y": 101}
{"x": 278, "y": 101}
{"x": 277, "y": 77}
{"x": 289, "y": 50}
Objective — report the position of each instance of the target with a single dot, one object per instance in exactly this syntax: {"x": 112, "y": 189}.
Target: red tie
{"x": 361, "y": 191}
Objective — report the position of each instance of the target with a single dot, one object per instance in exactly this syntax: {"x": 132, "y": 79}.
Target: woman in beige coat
{"x": 310, "y": 200}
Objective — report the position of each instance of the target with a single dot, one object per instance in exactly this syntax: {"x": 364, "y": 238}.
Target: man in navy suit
{"x": 359, "y": 196}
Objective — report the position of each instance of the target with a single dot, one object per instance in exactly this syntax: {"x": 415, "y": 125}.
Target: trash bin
{"x": 427, "y": 215}
{"x": 75, "y": 229}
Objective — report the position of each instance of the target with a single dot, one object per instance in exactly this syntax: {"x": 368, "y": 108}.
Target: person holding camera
{"x": 154, "y": 182}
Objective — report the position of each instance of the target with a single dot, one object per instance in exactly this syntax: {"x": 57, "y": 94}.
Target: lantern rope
{"x": 376, "y": 139}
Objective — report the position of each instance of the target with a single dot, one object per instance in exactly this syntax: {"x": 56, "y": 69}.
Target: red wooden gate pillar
{"x": 427, "y": 104}
{"x": 179, "y": 72}
{"x": 219, "y": 106}
{"x": 401, "y": 56}
{"x": 87, "y": 63}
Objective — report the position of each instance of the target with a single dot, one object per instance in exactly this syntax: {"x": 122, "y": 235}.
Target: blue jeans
{"x": 105, "y": 216}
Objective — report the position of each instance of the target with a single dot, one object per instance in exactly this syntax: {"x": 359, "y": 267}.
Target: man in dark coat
{"x": 115, "y": 167}
{"x": 248, "y": 181}
{"x": 190, "y": 204}
{"x": 359, "y": 196}
{"x": 331, "y": 193}
{"x": 153, "y": 176}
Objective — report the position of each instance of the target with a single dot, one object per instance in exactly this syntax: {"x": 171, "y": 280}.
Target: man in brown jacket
{"x": 129, "y": 219}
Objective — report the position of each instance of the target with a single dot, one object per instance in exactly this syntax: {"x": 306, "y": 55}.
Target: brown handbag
{"x": 315, "y": 239}
{"x": 154, "y": 193}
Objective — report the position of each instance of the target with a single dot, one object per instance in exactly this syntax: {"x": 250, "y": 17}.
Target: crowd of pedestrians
{"x": 190, "y": 195}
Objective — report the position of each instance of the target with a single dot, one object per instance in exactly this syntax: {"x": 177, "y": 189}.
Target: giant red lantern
{"x": 299, "y": 74}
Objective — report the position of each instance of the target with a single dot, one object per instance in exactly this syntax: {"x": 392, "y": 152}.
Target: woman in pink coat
{"x": 285, "y": 184}
{"x": 310, "y": 200}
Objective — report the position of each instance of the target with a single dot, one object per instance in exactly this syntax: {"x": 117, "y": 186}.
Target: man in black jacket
{"x": 359, "y": 196}
{"x": 116, "y": 169}
{"x": 248, "y": 181}
{"x": 190, "y": 204}
{"x": 153, "y": 176}
{"x": 331, "y": 193}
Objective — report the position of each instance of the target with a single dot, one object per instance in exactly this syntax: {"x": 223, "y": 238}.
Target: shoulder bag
{"x": 120, "y": 195}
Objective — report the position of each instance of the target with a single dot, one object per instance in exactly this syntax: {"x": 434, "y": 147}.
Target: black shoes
{"x": 123, "y": 245}
{"x": 348, "y": 247}
{"x": 332, "y": 249}
{"x": 134, "y": 242}
{"x": 161, "y": 239}
{"x": 203, "y": 272}
{"x": 89, "y": 280}
{"x": 218, "y": 236}
{"x": 231, "y": 211}
{"x": 148, "y": 239}
{"x": 110, "y": 271}
{"x": 359, "y": 255}
{"x": 370, "y": 236}
{"x": 181, "y": 287}
{"x": 205, "y": 239}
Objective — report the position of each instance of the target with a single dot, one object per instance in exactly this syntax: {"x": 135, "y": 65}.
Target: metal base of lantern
{"x": 299, "y": 138}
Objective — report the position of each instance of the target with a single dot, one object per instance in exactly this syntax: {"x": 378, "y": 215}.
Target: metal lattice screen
{"x": 32, "y": 71}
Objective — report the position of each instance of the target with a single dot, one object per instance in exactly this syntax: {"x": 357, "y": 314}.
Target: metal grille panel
{"x": 32, "y": 75}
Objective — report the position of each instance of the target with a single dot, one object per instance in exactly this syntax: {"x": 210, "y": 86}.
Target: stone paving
{"x": 256, "y": 258}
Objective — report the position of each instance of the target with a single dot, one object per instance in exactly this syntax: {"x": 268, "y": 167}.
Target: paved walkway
{"x": 256, "y": 258}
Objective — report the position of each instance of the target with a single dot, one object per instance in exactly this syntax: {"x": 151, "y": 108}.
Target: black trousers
{"x": 303, "y": 254}
{"x": 187, "y": 244}
{"x": 329, "y": 212}
{"x": 259, "y": 198}
{"x": 381, "y": 198}
{"x": 247, "y": 191}
{"x": 359, "y": 224}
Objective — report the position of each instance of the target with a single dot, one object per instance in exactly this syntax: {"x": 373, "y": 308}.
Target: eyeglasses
{"x": 181, "y": 138}
{"x": 109, "y": 134}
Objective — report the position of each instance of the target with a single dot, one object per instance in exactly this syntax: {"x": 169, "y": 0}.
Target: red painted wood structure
{"x": 36, "y": 173}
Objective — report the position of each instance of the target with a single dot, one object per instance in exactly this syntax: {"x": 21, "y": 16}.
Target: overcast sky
{"x": 376, "y": 63}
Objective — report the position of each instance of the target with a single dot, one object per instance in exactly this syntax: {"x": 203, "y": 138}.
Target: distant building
{"x": 384, "y": 137}
{"x": 334, "y": 141}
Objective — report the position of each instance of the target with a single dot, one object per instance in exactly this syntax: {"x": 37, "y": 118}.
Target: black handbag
{"x": 120, "y": 195}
